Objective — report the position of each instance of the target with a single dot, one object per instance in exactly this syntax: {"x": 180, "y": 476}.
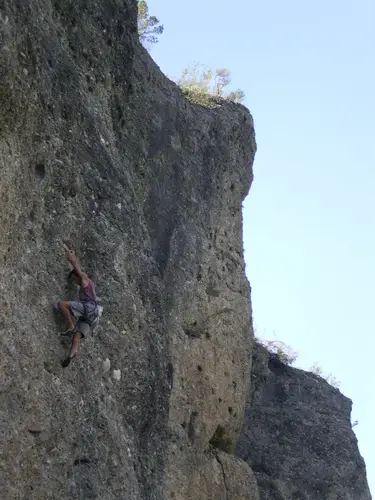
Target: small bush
{"x": 200, "y": 97}
{"x": 207, "y": 87}
{"x": 284, "y": 352}
{"x": 331, "y": 379}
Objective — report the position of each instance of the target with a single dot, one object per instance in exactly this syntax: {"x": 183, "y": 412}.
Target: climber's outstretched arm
{"x": 74, "y": 262}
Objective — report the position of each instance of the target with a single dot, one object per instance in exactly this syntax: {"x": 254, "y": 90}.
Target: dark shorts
{"x": 77, "y": 308}
{"x": 83, "y": 328}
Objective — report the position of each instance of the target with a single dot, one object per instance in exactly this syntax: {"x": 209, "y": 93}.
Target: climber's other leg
{"x": 75, "y": 344}
{"x": 73, "y": 350}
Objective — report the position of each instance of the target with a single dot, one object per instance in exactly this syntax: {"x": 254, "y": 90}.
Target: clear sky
{"x": 308, "y": 72}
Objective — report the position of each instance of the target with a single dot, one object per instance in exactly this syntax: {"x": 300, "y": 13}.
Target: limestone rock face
{"x": 297, "y": 436}
{"x": 99, "y": 150}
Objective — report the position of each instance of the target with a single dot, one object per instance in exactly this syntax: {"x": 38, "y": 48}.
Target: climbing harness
{"x": 93, "y": 311}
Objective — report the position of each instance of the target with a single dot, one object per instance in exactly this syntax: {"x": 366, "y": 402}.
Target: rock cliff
{"x": 100, "y": 150}
{"x": 297, "y": 436}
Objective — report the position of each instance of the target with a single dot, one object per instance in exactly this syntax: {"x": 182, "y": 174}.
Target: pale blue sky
{"x": 308, "y": 72}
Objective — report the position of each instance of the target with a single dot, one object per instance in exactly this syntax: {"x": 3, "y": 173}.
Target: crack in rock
{"x": 224, "y": 476}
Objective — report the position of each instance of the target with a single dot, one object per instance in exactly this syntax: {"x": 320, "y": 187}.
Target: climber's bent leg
{"x": 66, "y": 311}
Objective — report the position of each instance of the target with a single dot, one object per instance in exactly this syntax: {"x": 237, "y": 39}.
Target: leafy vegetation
{"x": 149, "y": 27}
{"x": 282, "y": 350}
{"x": 288, "y": 356}
{"x": 207, "y": 86}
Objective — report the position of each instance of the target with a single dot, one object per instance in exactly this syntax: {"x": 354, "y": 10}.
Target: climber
{"x": 80, "y": 315}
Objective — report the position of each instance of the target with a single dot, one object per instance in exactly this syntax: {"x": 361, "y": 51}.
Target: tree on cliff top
{"x": 149, "y": 27}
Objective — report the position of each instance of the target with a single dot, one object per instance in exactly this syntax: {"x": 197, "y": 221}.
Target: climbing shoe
{"x": 66, "y": 361}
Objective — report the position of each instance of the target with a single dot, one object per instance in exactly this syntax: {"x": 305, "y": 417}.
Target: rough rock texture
{"x": 100, "y": 150}
{"x": 297, "y": 436}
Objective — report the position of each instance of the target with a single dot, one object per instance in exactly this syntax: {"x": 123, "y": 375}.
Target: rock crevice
{"x": 224, "y": 477}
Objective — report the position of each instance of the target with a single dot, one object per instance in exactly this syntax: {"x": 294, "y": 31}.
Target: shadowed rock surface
{"x": 100, "y": 150}
{"x": 297, "y": 436}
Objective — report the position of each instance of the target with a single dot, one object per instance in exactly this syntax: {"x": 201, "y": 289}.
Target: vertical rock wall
{"x": 100, "y": 150}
